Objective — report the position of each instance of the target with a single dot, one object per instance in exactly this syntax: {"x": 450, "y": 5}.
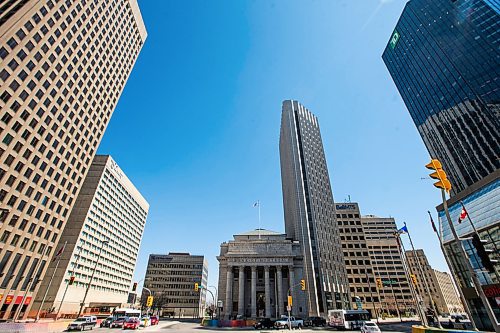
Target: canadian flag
{"x": 463, "y": 215}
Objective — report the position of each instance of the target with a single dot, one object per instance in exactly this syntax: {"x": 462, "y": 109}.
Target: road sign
{"x": 288, "y": 308}
{"x": 388, "y": 282}
{"x": 220, "y": 304}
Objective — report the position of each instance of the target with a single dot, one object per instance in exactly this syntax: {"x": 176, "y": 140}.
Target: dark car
{"x": 264, "y": 323}
{"x": 314, "y": 322}
{"x": 107, "y": 322}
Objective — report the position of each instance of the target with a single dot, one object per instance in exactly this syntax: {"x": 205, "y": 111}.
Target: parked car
{"x": 154, "y": 320}
{"x": 118, "y": 322}
{"x": 107, "y": 322}
{"x": 264, "y": 323}
{"x": 132, "y": 323}
{"x": 83, "y": 323}
{"x": 314, "y": 322}
{"x": 369, "y": 327}
{"x": 283, "y": 322}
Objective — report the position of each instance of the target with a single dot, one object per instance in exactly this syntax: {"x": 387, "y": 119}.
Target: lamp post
{"x": 216, "y": 299}
{"x": 91, "y": 278}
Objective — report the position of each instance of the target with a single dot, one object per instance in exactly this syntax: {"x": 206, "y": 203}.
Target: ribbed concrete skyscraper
{"x": 63, "y": 66}
{"x": 309, "y": 209}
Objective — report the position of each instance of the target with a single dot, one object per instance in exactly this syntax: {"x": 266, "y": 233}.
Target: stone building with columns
{"x": 257, "y": 271}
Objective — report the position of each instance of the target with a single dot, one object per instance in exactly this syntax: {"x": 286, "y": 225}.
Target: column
{"x": 279, "y": 276}
{"x": 241, "y": 290}
{"x": 228, "y": 307}
{"x": 291, "y": 283}
{"x": 254, "y": 292}
{"x": 267, "y": 291}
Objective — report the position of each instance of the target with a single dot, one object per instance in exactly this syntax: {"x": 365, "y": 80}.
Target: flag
{"x": 257, "y": 204}
{"x": 432, "y": 223}
{"x": 403, "y": 230}
{"x": 61, "y": 250}
{"x": 463, "y": 214}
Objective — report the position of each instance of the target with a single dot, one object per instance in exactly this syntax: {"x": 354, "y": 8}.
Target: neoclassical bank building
{"x": 257, "y": 271}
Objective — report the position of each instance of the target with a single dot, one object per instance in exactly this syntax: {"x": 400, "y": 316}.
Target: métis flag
{"x": 463, "y": 214}
{"x": 403, "y": 230}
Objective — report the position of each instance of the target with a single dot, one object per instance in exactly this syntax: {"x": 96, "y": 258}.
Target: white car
{"x": 83, "y": 323}
{"x": 284, "y": 322}
{"x": 369, "y": 327}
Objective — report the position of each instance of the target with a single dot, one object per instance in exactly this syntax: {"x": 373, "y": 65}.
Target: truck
{"x": 284, "y": 322}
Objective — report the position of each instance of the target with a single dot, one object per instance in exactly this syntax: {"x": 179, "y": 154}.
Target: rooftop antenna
{"x": 257, "y": 204}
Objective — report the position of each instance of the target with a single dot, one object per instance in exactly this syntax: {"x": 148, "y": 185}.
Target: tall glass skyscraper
{"x": 445, "y": 61}
{"x": 309, "y": 209}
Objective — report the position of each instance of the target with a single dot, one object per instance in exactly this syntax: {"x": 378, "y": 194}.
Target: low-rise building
{"x": 171, "y": 278}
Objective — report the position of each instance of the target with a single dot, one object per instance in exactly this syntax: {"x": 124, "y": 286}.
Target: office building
{"x": 443, "y": 58}
{"x": 360, "y": 272}
{"x": 63, "y": 66}
{"x": 450, "y": 295}
{"x": 171, "y": 279}
{"x": 309, "y": 209}
{"x": 108, "y": 208}
{"x": 424, "y": 272}
{"x": 256, "y": 271}
{"x": 387, "y": 263}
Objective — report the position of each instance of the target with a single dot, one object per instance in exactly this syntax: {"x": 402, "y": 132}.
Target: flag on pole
{"x": 463, "y": 214}
{"x": 61, "y": 250}
{"x": 403, "y": 230}
{"x": 432, "y": 223}
{"x": 256, "y": 204}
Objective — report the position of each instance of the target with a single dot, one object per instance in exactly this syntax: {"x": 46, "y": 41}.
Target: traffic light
{"x": 414, "y": 279}
{"x": 439, "y": 174}
{"x": 290, "y": 300}
{"x": 196, "y": 286}
{"x": 134, "y": 286}
{"x": 379, "y": 283}
{"x": 149, "y": 302}
{"x": 71, "y": 280}
{"x": 483, "y": 253}
{"x": 302, "y": 284}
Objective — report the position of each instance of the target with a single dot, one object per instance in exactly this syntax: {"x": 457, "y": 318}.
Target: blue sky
{"x": 197, "y": 126}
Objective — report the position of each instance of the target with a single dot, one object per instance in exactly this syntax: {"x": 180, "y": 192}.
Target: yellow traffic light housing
{"x": 302, "y": 284}
{"x": 414, "y": 279}
{"x": 196, "y": 286}
{"x": 379, "y": 283}
{"x": 149, "y": 302}
{"x": 439, "y": 174}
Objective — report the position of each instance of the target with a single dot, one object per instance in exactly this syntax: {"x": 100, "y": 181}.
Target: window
{"x": 5, "y": 236}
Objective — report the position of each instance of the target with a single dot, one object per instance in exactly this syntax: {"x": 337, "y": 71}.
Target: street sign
{"x": 220, "y": 304}
{"x": 288, "y": 308}
{"x": 389, "y": 282}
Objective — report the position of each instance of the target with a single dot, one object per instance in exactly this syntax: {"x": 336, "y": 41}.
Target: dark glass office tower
{"x": 309, "y": 209}
{"x": 444, "y": 59}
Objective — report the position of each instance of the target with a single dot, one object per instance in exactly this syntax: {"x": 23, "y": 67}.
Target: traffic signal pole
{"x": 67, "y": 284}
{"x": 475, "y": 279}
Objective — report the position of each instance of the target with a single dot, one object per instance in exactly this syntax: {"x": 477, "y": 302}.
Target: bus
{"x": 126, "y": 312}
{"x": 347, "y": 319}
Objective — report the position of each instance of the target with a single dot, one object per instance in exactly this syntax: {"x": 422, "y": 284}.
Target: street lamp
{"x": 91, "y": 278}
{"x": 216, "y": 299}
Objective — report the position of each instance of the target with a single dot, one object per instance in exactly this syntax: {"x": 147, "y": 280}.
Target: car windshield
{"x": 81, "y": 319}
{"x": 122, "y": 318}
{"x": 131, "y": 320}
{"x": 370, "y": 324}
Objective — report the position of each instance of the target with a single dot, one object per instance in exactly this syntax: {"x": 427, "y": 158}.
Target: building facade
{"x": 443, "y": 58}
{"x": 171, "y": 279}
{"x": 257, "y": 271}
{"x": 430, "y": 278}
{"x": 63, "y": 66}
{"x": 309, "y": 209}
{"x": 358, "y": 262}
{"x": 449, "y": 292}
{"x": 388, "y": 266}
{"x": 108, "y": 208}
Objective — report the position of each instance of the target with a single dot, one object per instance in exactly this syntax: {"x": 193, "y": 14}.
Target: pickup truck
{"x": 283, "y": 322}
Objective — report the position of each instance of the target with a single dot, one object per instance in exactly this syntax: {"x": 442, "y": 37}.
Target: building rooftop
{"x": 262, "y": 232}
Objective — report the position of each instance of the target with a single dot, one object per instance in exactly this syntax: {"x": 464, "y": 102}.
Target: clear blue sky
{"x": 197, "y": 126}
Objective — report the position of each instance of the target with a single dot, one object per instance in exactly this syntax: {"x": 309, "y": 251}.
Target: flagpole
{"x": 431, "y": 301}
{"x": 50, "y": 282}
{"x": 67, "y": 284}
{"x": 28, "y": 288}
{"x": 454, "y": 274}
{"x": 413, "y": 288}
{"x": 258, "y": 204}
